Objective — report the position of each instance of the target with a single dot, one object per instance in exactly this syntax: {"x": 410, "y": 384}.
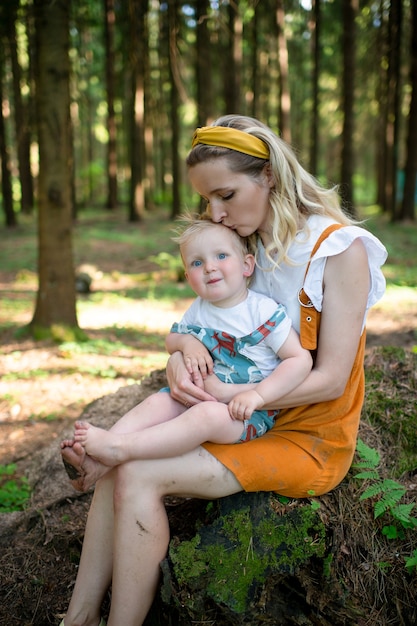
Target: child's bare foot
{"x": 100, "y": 444}
{"x": 82, "y": 470}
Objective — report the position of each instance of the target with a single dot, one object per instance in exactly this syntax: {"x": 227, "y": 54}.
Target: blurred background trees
{"x": 337, "y": 78}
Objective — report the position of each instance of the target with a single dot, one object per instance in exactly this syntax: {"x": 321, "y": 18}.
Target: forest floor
{"x": 30, "y": 422}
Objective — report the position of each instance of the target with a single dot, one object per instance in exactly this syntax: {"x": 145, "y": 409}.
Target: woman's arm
{"x": 295, "y": 366}
{"x": 345, "y": 295}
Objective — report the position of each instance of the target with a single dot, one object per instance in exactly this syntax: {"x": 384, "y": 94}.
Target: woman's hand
{"x": 181, "y": 384}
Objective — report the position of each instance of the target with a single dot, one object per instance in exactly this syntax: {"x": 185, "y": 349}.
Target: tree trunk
{"x": 409, "y": 197}
{"x": 381, "y": 96}
{"x": 350, "y": 8}
{"x": 393, "y": 106}
{"x": 55, "y": 303}
{"x": 231, "y": 61}
{"x": 137, "y": 12}
{"x": 284, "y": 87}
{"x": 314, "y": 140}
{"x": 203, "y": 73}
{"x": 174, "y": 101}
{"x": 20, "y": 115}
{"x": 252, "y": 39}
{"x": 6, "y": 175}
{"x": 109, "y": 25}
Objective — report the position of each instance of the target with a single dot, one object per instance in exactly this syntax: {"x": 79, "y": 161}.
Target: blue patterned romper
{"x": 231, "y": 366}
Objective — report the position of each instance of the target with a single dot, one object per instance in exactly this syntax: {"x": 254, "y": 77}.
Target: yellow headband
{"x": 226, "y": 137}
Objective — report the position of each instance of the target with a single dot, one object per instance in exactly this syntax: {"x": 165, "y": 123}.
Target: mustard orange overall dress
{"x": 310, "y": 448}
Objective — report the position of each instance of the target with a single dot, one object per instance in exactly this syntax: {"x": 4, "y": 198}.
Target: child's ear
{"x": 248, "y": 265}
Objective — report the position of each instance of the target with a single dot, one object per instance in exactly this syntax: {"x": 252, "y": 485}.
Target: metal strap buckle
{"x": 308, "y": 304}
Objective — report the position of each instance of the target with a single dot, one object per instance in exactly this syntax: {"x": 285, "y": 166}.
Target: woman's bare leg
{"x": 96, "y": 563}
{"x": 141, "y": 532}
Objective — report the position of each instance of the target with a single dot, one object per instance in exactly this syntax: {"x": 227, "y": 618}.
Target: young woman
{"x": 326, "y": 271}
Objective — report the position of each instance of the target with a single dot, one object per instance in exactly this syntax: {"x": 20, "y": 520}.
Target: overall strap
{"x": 309, "y": 316}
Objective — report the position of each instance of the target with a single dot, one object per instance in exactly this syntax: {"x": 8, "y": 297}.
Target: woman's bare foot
{"x": 82, "y": 470}
{"x": 102, "y": 445}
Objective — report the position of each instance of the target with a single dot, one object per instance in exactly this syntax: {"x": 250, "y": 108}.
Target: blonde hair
{"x": 295, "y": 193}
{"x": 193, "y": 224}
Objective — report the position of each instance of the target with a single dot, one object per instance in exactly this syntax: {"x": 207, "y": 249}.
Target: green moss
{"x": 183, "y": 559}
{"x": 300, "y": 537}
{"x": 235, "y": 564}
{"x": 230, "y": 559}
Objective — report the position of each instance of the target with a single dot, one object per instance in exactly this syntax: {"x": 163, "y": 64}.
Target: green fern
{"x": 369, "y": 457}
{"x": 391, "y": 493}
{"x": 388, "y": 494}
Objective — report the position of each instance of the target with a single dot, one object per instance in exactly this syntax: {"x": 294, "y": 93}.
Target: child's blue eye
{"x": 196, "y": 263}
{"x": 222, "y": 255}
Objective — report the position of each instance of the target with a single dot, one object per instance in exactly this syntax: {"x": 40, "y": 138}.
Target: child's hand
{"x": 244, "y": 404}
{"x": 198, "y": 362}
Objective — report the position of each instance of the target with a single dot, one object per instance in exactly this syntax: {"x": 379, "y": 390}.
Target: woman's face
{"x": 236, "y": 200}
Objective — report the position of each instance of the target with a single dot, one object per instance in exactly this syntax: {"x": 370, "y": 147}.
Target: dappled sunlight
{"x": 148, "y": 314}
{"x": 393, "y": 320}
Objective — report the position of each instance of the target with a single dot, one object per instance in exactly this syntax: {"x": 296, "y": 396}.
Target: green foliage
{"x": 26, "y": 375}
{"x": 401, "y": 243}
{"x": 170, "y": 262}
{"x": 387, "y": 494}
{"x": 14, "y": 492}
{"x": 411, "y": 562}
{"x": 59, "y": 333}
{"x": 92, "y": 346}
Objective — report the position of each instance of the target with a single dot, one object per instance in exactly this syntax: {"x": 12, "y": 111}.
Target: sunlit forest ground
{"x": 136, "y": 294}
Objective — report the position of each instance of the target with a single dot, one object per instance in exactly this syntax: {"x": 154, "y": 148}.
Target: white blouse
{"x": 284, "y": 283}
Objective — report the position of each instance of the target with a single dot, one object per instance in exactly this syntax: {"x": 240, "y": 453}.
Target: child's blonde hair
{"x": 193, "y": 224}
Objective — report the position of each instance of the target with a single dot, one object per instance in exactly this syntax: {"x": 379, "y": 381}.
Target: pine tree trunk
{"x": 55, "y": 304}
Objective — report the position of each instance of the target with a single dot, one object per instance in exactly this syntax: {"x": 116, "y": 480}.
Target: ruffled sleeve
{"x": 336, "y": 243}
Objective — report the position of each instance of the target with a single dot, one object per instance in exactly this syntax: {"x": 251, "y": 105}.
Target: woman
{"x": 253, "y": 184}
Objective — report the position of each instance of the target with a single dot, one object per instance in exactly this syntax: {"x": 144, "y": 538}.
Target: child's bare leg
{"x": 83, "y": 470}
{"x": 156, "y": 408}
{"x": 109, "y": 447}
{"x": 208, "y": 421}
{"x": 105, "y": 446}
